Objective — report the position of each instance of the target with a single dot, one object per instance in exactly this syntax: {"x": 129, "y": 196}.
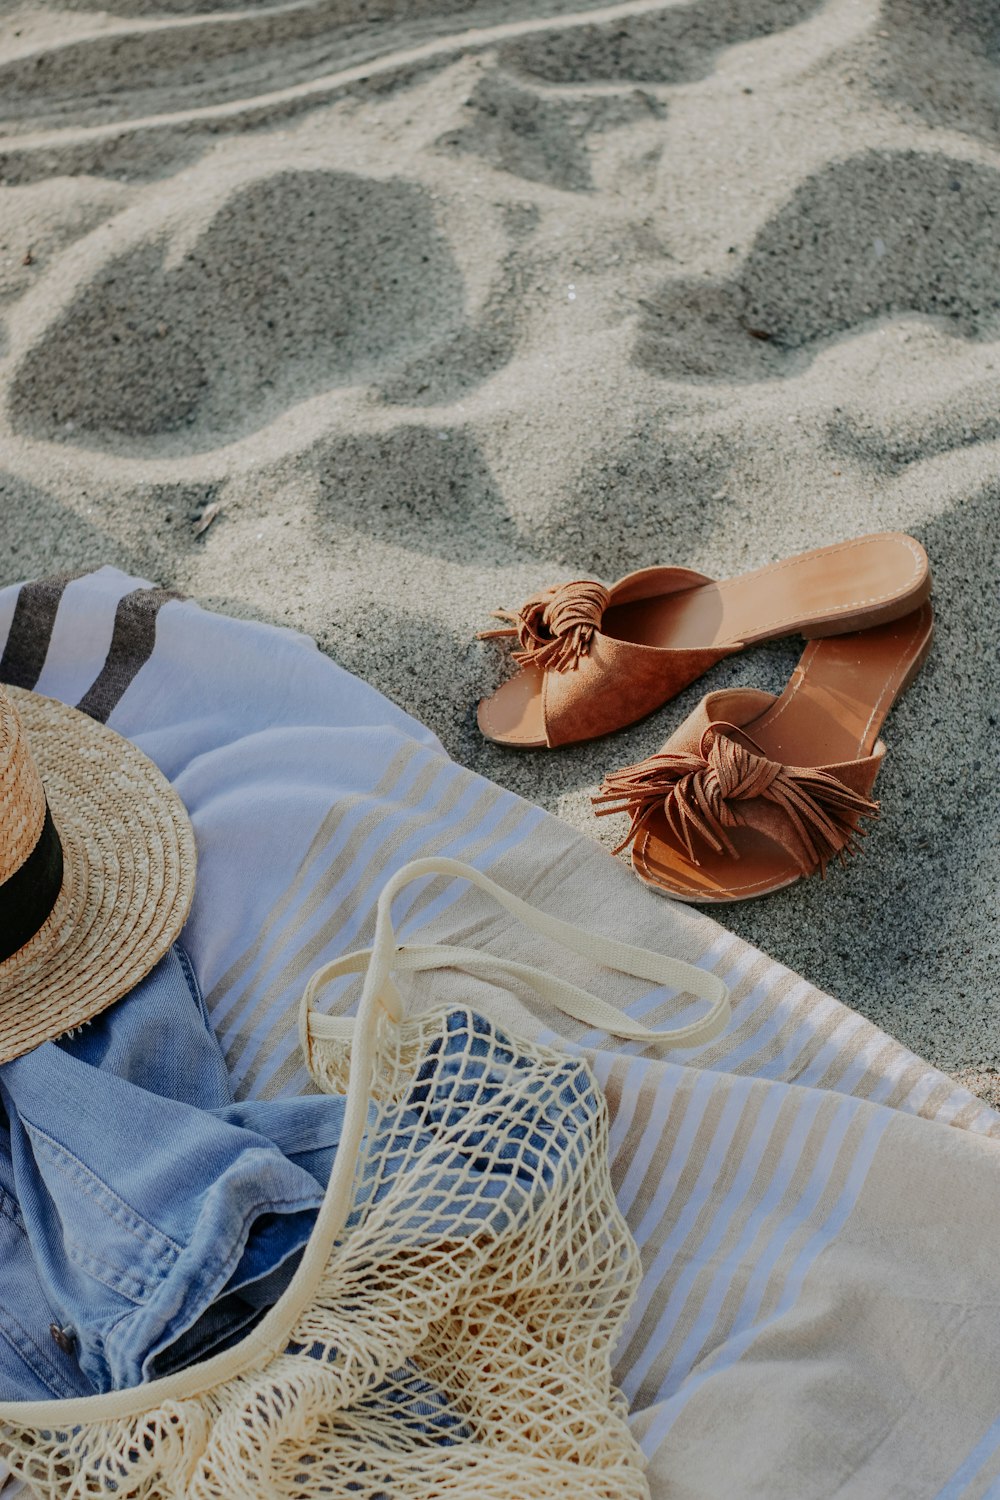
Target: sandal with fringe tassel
{"x": 593, "y": 659}
{"x": 753, "y": 792}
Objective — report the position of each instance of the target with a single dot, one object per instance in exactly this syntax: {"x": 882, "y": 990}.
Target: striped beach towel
{"x": 818, "y": 1210}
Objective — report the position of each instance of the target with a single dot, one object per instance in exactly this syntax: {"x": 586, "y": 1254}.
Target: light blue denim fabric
{"x": 146, "y": 1211}
{"x": 140, "y": 1206}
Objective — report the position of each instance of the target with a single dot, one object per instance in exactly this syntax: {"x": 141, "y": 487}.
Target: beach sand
{"x": 441, "y": 303}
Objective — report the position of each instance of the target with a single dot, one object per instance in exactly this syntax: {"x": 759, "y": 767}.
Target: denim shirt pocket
{"x": 107, "y": 1238}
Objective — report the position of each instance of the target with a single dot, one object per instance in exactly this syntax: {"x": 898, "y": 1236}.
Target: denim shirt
{"x": 146, "y": 1218}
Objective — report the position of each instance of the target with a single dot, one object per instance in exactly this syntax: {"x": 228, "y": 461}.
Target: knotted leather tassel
{"x": 554, "y": 628}
{"x": 701, "y": 796}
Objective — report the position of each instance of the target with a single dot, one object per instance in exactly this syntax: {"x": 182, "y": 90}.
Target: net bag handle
{"x": 386, "y": 957}
{"x": 379, "y": 994}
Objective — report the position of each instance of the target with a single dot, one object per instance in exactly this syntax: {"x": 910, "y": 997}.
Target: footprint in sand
{"x": 302, "y": 281}
{"x": 881, "y": 234}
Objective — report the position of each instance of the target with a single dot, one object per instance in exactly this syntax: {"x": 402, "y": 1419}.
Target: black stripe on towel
{"x": 31, "y": 630}
{"x": 132, "y": 642}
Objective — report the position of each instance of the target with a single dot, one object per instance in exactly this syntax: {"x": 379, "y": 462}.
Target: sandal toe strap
{"x": 728, "y": 783}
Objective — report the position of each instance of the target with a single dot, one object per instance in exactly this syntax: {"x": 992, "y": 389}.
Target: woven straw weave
{"x": 128, "y": 865}
{"x": 22, "y": 795}
{"x": 458, "y": 1301}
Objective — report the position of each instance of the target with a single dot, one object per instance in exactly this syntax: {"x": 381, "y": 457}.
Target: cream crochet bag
{"x": 449, "y": 1330}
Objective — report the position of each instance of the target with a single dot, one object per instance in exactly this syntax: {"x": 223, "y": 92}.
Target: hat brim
{"x": 128, "y": 876}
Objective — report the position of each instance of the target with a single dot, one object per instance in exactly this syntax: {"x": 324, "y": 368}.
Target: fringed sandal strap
{"x": 554, "y": 628}
{"x": 705, "y": 795}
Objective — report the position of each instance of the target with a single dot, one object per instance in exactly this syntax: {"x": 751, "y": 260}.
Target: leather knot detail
{"x": 704, "y": 795}
{"x": 554, "y": 628}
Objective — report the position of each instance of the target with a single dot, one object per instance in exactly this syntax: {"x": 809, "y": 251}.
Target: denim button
{"x": 64, "y": 1337}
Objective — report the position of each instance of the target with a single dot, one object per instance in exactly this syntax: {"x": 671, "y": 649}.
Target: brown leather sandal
{"x": 753, "y": 792}
{"x": 595, "y": 659}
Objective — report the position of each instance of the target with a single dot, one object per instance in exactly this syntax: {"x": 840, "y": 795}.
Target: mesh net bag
{"x": 449, "y": 1330}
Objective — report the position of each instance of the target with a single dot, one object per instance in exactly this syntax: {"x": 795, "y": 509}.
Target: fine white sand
{"x": 441, "y": 303}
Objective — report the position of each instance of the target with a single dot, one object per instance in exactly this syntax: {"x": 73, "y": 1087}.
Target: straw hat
{"x": 97, "y": 864}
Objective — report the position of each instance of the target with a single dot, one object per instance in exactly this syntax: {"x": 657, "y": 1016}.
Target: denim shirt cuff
{"x": 239, "y": 1257}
